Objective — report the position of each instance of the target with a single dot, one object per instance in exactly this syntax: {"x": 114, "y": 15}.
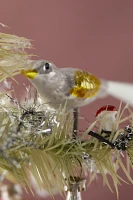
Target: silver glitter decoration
{"x": 75, "y": 187}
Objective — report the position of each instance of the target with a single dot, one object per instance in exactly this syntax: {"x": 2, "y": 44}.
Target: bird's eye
{"x": 47, "y": 66}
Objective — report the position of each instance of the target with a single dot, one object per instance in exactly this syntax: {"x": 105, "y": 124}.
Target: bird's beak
{"x": 31, "y": 73}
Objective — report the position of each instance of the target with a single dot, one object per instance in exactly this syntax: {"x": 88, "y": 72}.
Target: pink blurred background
{"x": 95, "y": 35}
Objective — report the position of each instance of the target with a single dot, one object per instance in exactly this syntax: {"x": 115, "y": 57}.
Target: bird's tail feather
{"x": 122, "y": 91}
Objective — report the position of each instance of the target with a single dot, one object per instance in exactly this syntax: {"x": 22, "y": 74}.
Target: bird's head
{"x": 42, "y": 75}
{"x": 40, "y": 69}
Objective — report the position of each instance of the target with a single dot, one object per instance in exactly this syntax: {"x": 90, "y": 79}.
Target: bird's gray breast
{"x": 53, "y": 88}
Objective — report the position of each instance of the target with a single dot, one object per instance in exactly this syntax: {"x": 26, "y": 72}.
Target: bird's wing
{"x": 86, "y": 85}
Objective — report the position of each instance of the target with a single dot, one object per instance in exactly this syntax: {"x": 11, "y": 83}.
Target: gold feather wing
{"x": 86, "y": 85}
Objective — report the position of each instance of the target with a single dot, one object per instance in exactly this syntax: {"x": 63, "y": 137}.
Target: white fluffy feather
{"x": 122, "y": 91}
